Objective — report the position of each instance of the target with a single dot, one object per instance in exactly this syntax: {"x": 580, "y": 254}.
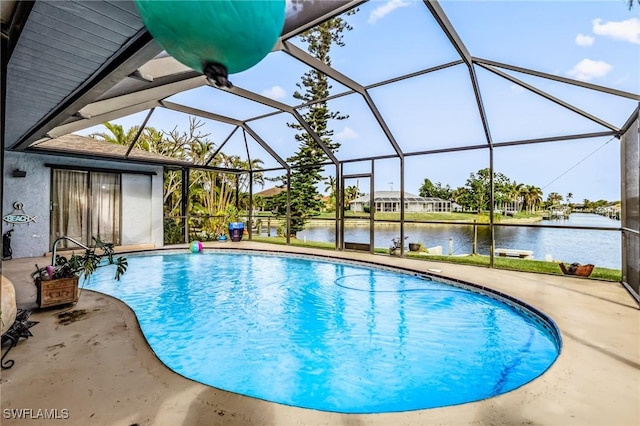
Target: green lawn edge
{"x": 520, "y": 265}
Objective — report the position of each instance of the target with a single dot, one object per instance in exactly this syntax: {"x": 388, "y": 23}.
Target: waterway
{"x": 602, "y": 248}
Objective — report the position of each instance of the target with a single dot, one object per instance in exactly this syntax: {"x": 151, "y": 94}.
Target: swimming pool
{"x": 329, "y": 335}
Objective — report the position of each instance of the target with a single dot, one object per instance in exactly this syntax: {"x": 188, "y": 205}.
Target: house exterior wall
{"x": 419, "y": 207}
{"x": 34, "y": 192}
{"x": 416, "y": 207}
{"x": 412, "y": 207}
{"x": 357, "y": 207}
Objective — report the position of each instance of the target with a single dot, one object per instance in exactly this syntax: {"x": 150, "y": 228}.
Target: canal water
{"x": 602, "y": 248}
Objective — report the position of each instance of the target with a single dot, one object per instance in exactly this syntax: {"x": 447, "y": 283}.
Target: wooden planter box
{"x": 56, "y": 292}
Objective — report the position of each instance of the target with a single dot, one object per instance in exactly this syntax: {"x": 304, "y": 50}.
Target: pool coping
{"x": 595, "y": 379}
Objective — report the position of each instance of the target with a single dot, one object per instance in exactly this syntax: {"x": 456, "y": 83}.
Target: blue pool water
{"x": 326, "y": 335}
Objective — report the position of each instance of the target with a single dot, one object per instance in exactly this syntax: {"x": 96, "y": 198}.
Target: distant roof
{"x": 269, "y": 192}
{"x": 76, "y": 144}
{"x": 394, "y": 196}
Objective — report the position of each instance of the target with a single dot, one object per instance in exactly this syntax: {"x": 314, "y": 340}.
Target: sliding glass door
{"x": 84, "y": 205}
{"x": 104, "y": 211}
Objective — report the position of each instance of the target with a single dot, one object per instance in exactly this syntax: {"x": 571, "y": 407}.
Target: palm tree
{"x": 569, "y": 197}
{"x": 331, "y": 187}
{"x": 155, "y": 141}
{"x": 243, "y": 179}
{"x": 523, "y": 195}
{"x": 259, "y": 202}
{"x": 199, "y": 151}
{"x": 117, "y": 134}
{"x": 534, "y": 197}
{"x": 462, "y": 197}
{"x": 351, "y": 193}
{"x": 553, "y": 199}
{"x": 210, "y": 192}
{"x": 512, "y": 194}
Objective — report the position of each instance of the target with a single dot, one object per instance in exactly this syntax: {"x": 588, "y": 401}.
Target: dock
{"x": 556, "y": 214}
{"x": 522, "y": 254}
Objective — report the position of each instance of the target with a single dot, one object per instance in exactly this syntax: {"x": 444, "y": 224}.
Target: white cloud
{"x": 517, "y": 89}
{"x": 584, "y": 40}
{"x": 276, "y": 92}
{"x": 628, "y": 30}
{"x": 347, "y": 133}
{"x": 292, "y": 7}
{"x": 587, "y": 69}
{"x": 382, "y": 11}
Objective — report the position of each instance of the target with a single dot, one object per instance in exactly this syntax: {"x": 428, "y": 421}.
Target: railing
{"x": 55, "y": 247}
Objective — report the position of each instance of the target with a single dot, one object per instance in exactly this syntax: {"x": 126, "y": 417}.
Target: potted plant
{"x": 58, "y": 284}
{"x": 396, "y": 247}
{"x": 415, "y": 246}
{"x": 221, "y": 233}
{"x": 220, "y": 226}
{"x": 236, "y": 228}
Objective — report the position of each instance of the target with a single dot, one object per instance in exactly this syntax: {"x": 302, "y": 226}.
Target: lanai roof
{"x": 72, "y": 65}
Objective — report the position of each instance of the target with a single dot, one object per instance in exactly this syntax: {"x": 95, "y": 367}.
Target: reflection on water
{"x": 602, "y": 248}
{"x": 328, "y": 336}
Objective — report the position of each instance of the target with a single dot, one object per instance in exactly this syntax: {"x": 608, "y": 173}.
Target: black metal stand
{"x": 19, "y": 328}
{"x": 7, "y": 253}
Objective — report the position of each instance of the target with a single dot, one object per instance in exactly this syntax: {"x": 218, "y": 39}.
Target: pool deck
{"x": 101, "y": 369}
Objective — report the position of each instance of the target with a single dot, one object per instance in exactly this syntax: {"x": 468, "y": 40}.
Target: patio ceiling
{"x": 72, "y": 65}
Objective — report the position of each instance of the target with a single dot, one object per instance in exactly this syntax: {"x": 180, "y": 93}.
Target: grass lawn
{"x": 295, "y": 242}
{"x": 522, "y": 265}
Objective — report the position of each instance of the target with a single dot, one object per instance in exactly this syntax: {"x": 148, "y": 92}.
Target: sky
{"x": 592, "y": 41}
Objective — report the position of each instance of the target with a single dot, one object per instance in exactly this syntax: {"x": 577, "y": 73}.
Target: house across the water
{"x": 389, "y": 201}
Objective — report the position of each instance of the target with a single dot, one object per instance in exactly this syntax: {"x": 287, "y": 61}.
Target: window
{"x": 84, "y": 205}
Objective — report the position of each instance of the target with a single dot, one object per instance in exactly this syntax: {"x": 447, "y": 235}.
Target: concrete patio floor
{"x": 100, "y": 368}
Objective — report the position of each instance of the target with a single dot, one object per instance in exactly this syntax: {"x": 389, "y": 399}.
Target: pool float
{"x": 216, "y": 38}
{"x": 195, "y": 247}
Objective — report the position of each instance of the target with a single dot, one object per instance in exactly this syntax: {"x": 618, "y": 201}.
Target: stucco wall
{"x": 34, "y": 192}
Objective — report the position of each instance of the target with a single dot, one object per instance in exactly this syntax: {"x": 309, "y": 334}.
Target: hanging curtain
{"x": 69, "y": 206}
{"x": 105, "y": 207}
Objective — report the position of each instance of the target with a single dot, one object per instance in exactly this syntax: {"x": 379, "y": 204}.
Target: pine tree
{"x": 305, "y": 199}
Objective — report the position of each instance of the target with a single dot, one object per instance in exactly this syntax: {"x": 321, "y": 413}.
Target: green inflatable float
{"x": 217, "y": 38}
